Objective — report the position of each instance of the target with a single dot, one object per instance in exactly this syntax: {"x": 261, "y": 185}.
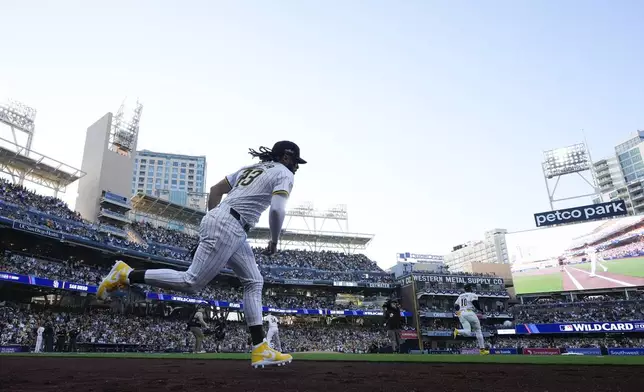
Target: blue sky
{"x": 427, "y": 118}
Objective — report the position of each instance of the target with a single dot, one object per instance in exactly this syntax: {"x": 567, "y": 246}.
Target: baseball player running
{"x": 465, "y": 305}
{"x": 222, "y": 240}
{"x": 39, "y": 339}
{"x": 273, "y": 332}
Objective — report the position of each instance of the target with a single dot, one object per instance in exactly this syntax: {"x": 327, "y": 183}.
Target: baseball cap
{"x": 290, "y": 148}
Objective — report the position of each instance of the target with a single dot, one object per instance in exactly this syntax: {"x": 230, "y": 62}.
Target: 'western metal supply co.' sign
{"x": 581, "y": 214}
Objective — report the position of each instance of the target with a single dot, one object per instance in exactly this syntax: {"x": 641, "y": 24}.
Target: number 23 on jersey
{"x": 248, "y": 176}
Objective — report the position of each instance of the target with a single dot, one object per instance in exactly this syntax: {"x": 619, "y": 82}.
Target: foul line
{"x": 574, "y": 281}
{"x": 606, "y": 278}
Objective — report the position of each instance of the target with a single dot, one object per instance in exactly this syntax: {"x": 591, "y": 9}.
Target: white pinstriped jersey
{"x": 271, "y": 320}
{"x": 254, "y": 186}
{"x": 464, "y": 301}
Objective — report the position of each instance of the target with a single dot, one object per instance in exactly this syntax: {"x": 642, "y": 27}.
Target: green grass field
{"x": 493, "y": 359}
{"x": 538, "y": 283}
{"x": 628, "y": 267}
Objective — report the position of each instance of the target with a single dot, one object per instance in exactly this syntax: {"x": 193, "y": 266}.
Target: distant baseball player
{"x": 465, "y": 306}
{"x": 591, "y": 252}
{"x": 273, "y": 332}
{"x": 222, "y": 240}
{"x": 39, "y": 333}
{"x": 561, "y": 260}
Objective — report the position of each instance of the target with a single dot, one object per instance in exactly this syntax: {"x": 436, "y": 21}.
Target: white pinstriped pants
{"x": 273, "y": 338}
{"x": 222, "y": 240}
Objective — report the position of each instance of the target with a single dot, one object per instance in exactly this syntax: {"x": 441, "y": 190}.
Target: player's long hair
{"x": 265, "y": 154}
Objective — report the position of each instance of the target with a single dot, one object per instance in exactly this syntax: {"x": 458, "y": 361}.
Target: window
{"x": 191, "y": 165}
{"x": 183, "y": 171}
{"x": 143, "y": 161}
{"x": 165, "y": 182}
{"x": 175, "y": 164}
{"x": 183, "y": 164}
{"x": 151, "y": 161}
{"x": 159, "y": 162}
{"x": 200, "y": 172}
{"x": 148, "y": 192}
{"x": 141, "y": 179}
{"x": 157, "y": 181}
{"x": 182, "y": 183}
{"x": 141, "y": 173}
{"x": 149, "y": 186}
{"x": 182, "y": 176}
{"x": 174, "y": 176}
{"x": 175, "y": 170}
{"x": 174, "y": 182}
{"x": 191, "y": 171}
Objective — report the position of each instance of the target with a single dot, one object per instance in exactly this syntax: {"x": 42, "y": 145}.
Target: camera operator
{"x": 393, "y": 321}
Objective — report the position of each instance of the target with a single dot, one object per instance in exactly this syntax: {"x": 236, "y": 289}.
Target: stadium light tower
{"x": 124, "y": 131}
{"x": 560, "y": 162}
{"x": 20, "y": 118}
{"x": 17, "y": 158}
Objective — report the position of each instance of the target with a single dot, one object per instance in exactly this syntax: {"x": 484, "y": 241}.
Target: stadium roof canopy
{"x": 166, "y": 211}
{"x": 20, "y": 163}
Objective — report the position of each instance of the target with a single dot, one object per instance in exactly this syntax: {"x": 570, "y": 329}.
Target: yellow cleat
{"x": 264, "y": 355}
{"x": 455, "y": 333}
{"x": 485, "y": 352}
{"x": 116, "y": 279}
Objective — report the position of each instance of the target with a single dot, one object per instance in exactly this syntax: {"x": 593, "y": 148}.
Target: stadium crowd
{"x": 104, "y": 327}
{"x": 18, "y": 203}
{"x": 78, "y": 272}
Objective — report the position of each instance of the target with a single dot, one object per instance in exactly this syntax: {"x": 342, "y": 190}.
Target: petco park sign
{"x": 581, "y": 214}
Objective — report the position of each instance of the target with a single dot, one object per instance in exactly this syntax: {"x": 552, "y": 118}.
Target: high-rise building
{"x": 621, "y": 176}
{"x": 608, "y": 173}
{"x": 172, "y": 177}
{"x": 493, "y": 249}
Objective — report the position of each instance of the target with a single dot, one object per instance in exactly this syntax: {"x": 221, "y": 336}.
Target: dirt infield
{"x": 121, "y": 375}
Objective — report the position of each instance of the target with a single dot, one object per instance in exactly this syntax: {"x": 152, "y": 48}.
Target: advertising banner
{"x": 408, "y": 335}
{"x": 12, "y": 349}
{"x": 504, "y": 351}
{"x": 36, "y": 230}
{"x": 584, "y": 351}
{"x": 619, "y": 326}
{"x": 470, "y": 351}
{"x": 457, "y": 279}
{"x": 541, "y": 351}
{"x": 581, "y": 214}
{"x": 626, "y": 351}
